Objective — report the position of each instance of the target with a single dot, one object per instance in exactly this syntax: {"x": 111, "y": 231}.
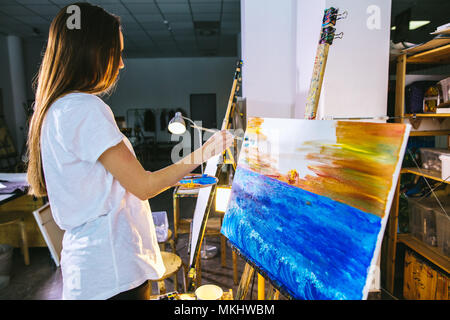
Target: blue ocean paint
{"x": 310, "y": 245}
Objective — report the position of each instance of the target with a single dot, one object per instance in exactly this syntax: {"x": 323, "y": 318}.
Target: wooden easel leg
{"x": 245, "y": 282}
{"x": 235, "y": 272}
{"x": 272, "y": 294}
{"x": 261, "y": 287}
{"x": 185, "y": 278}
{"x": 198, "y": 276}
{"x": 223, "y": 250}
{"x": 176, "y": 212}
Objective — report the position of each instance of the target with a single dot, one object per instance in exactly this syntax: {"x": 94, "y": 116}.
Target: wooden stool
{"x": 173, "y": 264}
{"x": 162, "y": 244}
{"x": 24, "y": 243}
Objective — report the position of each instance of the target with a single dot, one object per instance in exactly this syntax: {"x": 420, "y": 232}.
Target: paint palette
{"x": 195, "y": 181}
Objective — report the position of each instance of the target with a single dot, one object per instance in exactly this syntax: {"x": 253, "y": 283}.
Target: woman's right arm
{"x": 124, "y": 166}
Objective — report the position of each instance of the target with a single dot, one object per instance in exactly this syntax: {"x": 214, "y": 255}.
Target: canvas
{"x": 310, "y": 202}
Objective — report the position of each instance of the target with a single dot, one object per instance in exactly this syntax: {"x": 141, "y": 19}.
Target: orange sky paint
{"x": 357, "y": 170}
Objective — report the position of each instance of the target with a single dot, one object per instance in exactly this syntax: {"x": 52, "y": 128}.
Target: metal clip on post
{"x": 340, "y": 35}
{"x": 342, "y": 15}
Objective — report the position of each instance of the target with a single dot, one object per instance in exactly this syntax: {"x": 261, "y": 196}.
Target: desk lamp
{"x": 177, "y": 125}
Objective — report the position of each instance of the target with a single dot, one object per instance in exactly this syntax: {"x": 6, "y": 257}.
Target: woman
{"x": 78, "y": 157}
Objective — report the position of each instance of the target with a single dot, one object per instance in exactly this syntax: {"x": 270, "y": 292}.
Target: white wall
{"x": 279, "y": 42}
{"x": 309, "y": 23}
{"x": 357, "y": 71}
{"x": 168, "y": 83}
{"x": 268, "y": 31}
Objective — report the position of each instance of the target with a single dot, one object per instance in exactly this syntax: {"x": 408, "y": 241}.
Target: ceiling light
{"x": 417, "y": 24}
{"x": 414, "y": 24}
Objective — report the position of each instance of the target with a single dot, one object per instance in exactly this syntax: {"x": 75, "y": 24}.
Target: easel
{"x": 326, "y": 39}
{"x": 192, "y": 273}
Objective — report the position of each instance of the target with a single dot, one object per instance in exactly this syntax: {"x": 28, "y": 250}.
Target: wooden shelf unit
{"x": 429, "y": 133}
{"x": 436, "y": 55}
{"x": 430, "y": 174}
{"x": 432, "y": 254}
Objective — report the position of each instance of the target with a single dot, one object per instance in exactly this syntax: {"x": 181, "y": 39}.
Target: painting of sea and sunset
{"x": 310, "y": 202}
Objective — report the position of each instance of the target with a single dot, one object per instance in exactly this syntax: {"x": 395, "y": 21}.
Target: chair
{"x": 162, "y": 244}
{"x": 52, "y": 234}
{"x": 173, "y": 264}
{"x": 181, "y": 226}
{"x": 23, "y": 235}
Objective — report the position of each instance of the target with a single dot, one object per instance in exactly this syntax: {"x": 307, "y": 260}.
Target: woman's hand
{"x": 217, "y": 144}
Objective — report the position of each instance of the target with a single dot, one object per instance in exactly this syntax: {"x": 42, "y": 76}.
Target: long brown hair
{"x": 84, "y": 60}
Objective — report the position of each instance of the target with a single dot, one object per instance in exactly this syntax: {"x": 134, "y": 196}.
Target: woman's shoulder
{"x": 78, "y": 100}
{"x": 78, "y": 106}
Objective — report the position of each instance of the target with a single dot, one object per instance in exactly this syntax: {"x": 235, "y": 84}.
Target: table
{"x": 20, "y": 205}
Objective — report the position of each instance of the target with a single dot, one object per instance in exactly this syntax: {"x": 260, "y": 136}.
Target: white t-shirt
{"x": 110, "y": 243}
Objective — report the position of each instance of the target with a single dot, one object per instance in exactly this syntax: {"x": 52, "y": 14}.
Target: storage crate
{"x": 430, "y": 158}
{"x": 423, "y": 281}
{"x": 445, "y": 164}
{"x": 422, "y": 220}
{"x": 443, "y": 231}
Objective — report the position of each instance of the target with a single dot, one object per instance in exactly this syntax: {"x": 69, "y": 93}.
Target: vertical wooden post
{"x": 400, "y": 87}
{"x": 392, "y": 240}
{"x": 315, "y": 88}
